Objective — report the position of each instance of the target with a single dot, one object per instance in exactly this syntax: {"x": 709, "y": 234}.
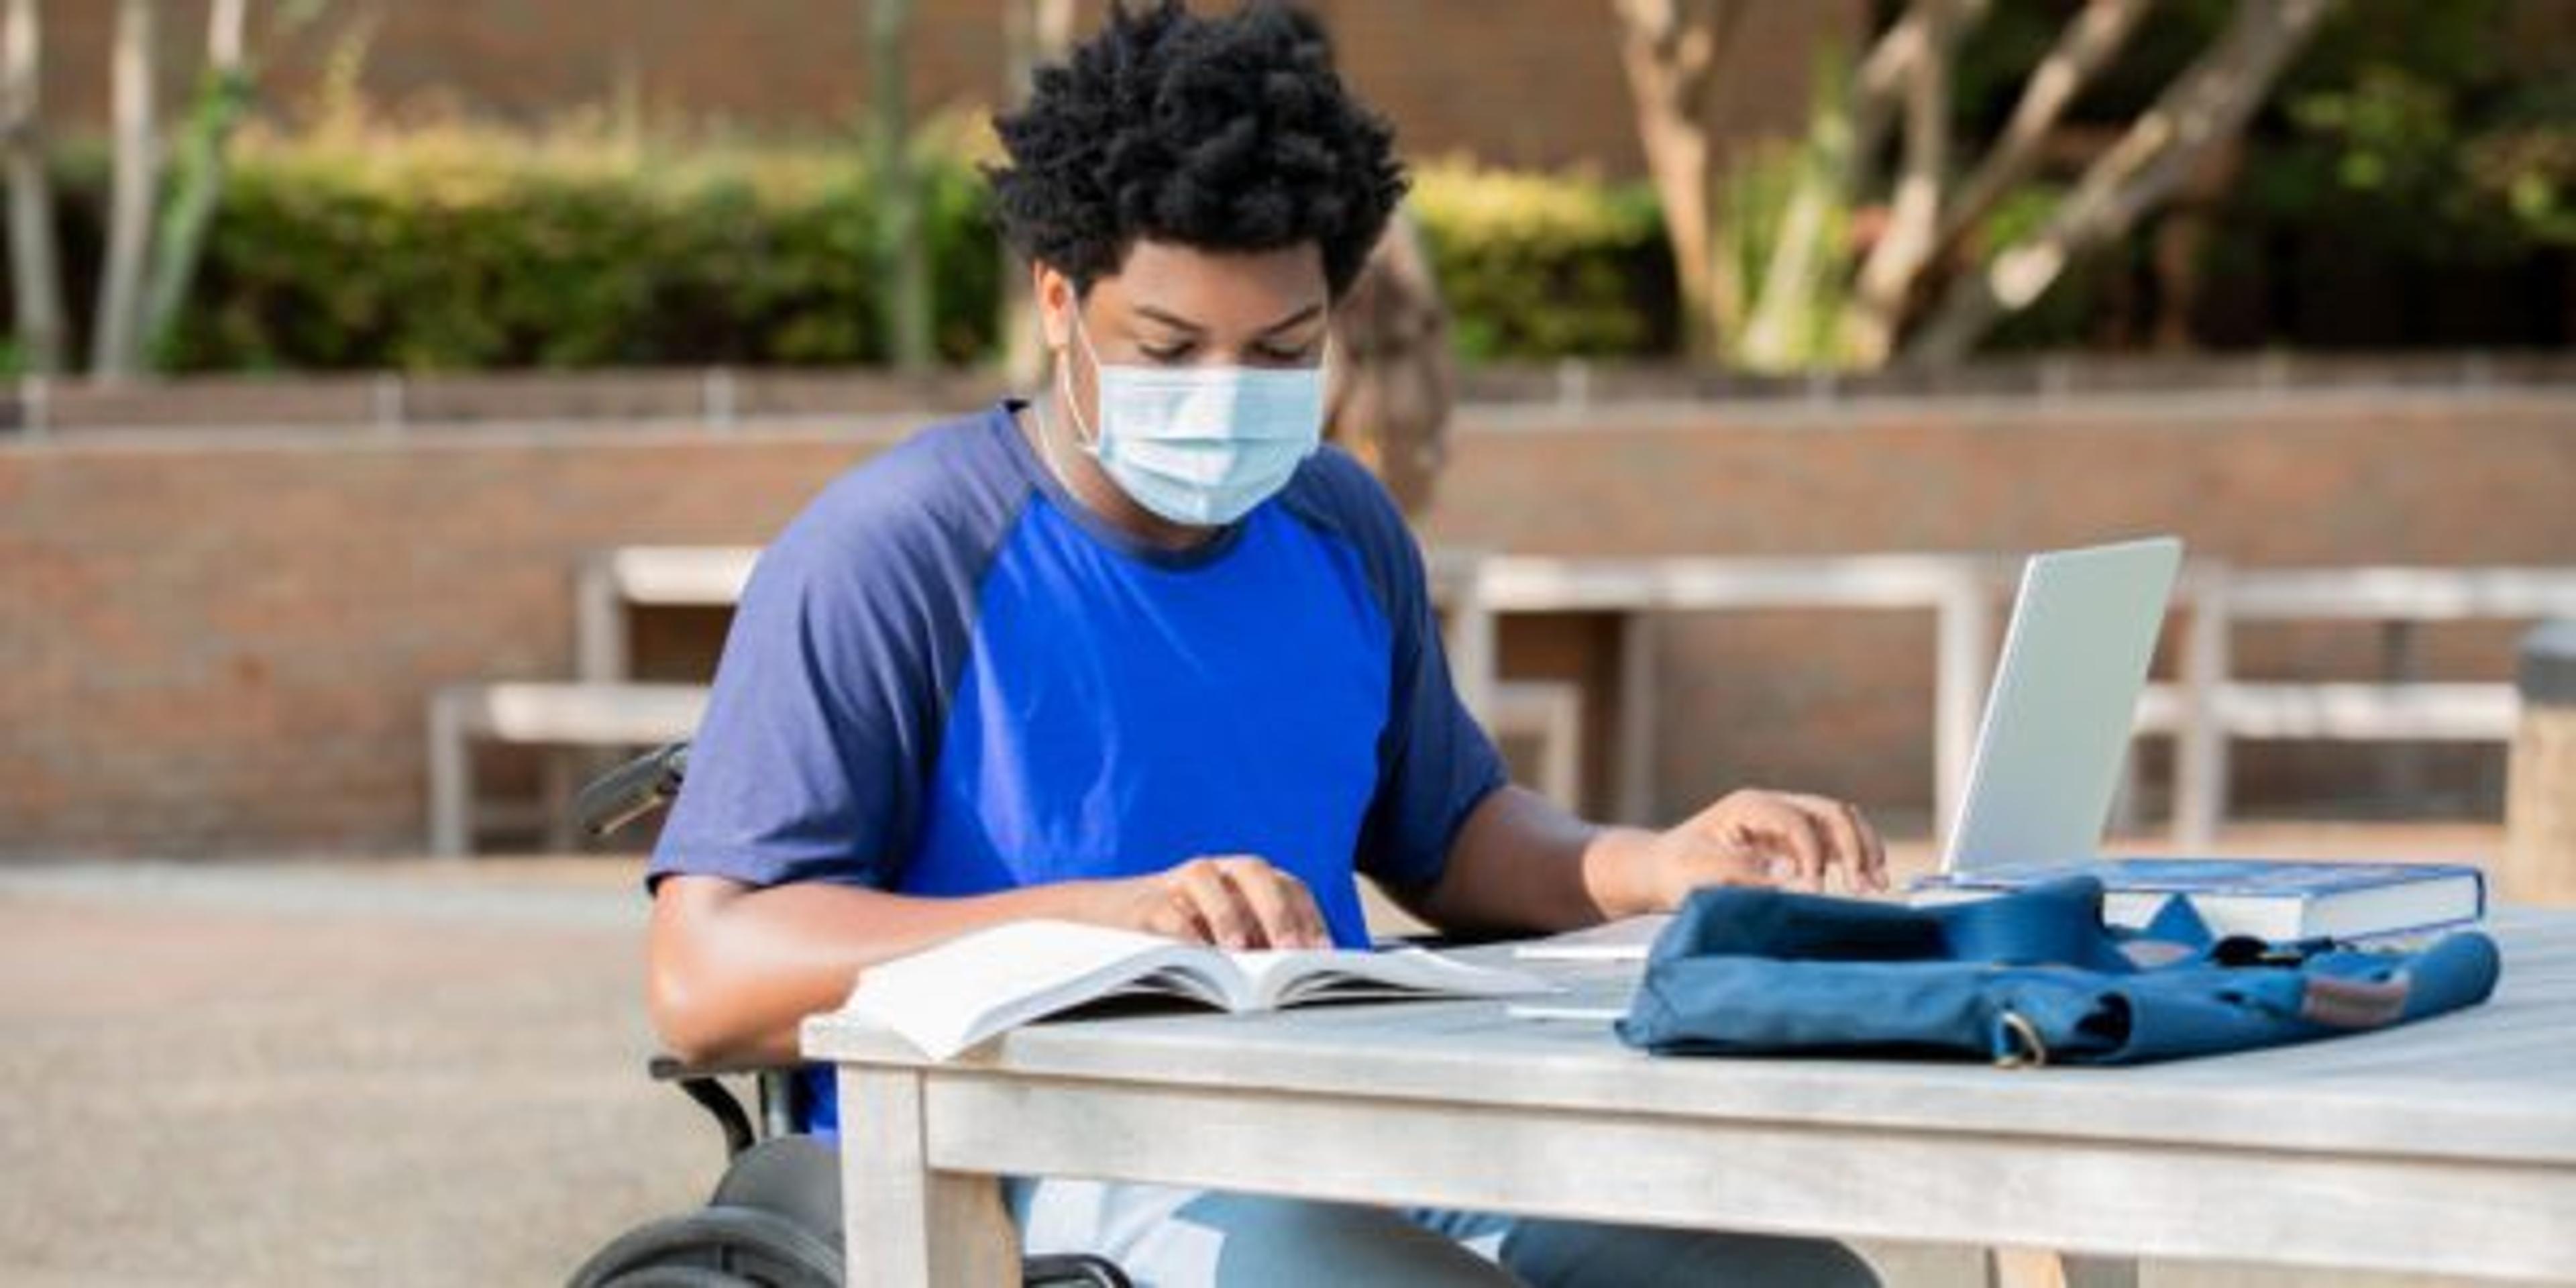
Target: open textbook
{"x": 947, "y": 998}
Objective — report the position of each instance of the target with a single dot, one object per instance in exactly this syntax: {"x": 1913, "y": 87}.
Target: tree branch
{"x": 34, "y": 259}
{"x": 1034, "y": 33}
{"x": 115, "y": 345}
{"x": 1784, "y": 316}
{"x": 222, "y": 100}
{"x": 1887, "y": 278}
{"x": 1672, "y": 49}
{"x": 1882, "y": 75}
{"x": 901, "y": 253}
{"x": 2207, "y": 105}
{"x": 2087, "y": 44}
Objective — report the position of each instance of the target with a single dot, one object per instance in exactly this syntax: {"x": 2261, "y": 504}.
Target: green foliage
{"x": 1541, "y": 266}
{"x": 2424, "y": 130}
{"x": 1762, "y": 194}
{"x": 459, "y": 249}
{"x": 2526, "y": 176}
{"x": 2059, "y": 318}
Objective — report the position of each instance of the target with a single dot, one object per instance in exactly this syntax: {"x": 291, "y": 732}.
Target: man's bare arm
{"x": 1522, "y": 864}
{"x": 734, "y": 968}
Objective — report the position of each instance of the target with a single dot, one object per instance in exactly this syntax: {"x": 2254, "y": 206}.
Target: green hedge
{"x": 1541, "y": 266}
{"x": 463, "y": 249}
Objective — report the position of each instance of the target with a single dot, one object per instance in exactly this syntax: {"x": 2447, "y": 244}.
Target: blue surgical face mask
{"x": 1199, "y": 446}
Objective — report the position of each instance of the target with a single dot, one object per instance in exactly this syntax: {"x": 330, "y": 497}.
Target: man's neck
{"x": 1050, "y": 434}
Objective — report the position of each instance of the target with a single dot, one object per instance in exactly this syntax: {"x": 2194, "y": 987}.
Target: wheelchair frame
{"x": 764, "y": 1224}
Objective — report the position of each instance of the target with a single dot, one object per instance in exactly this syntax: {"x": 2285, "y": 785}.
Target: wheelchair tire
{"x": 714, "y": 1247}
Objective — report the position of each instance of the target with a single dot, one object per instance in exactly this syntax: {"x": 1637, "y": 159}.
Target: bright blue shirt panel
{"x": 948, "y": 677}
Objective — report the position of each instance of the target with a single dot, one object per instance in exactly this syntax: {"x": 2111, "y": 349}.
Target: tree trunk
{"x": 1887, "y": 279}
{"x": 2182, "y": 239}
{"x": 222, "y": 99}
{"x": 2205, "y": 107}
{"x": 1035, "y": 33}
{"x": 1785, "y": 319}
{"x": 35, "y": 264}
{"x": 902, "y": 256}
{"x": 1393, "y": 381}
{"x": 1672, "y": 49}
{"x": 116, "y": 344}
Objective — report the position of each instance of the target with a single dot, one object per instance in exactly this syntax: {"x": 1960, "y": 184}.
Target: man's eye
{"x": 1299, "y": 357}
{"x": 1165, "y": 353}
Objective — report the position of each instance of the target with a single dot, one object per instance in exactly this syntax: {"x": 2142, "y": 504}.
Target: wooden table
{"x": 2447, "y": 1148}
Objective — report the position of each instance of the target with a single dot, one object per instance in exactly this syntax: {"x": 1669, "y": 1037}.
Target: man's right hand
{"x": 1233, "y": 901}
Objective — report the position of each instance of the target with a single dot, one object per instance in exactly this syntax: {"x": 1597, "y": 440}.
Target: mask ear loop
{"x": 1063, "y": 365}
{"x": 1064, "y": 385}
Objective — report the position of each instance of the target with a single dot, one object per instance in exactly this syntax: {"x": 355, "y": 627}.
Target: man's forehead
{"x": 1152, "y": 265}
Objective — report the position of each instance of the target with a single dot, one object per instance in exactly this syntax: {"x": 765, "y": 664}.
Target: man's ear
{"x": 1057, "y": 301}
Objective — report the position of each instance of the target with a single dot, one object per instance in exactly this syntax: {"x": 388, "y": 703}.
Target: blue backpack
{"x": 2031, "y": 977}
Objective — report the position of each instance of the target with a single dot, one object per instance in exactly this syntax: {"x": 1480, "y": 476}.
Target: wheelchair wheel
{"x": 714, "y": 1247}
{"x": 732, "y": 1247}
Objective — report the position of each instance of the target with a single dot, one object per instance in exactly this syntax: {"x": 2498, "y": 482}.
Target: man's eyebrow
{"x": 1306, "y": 314}
{"x": 1173, "y": 320}
{"x": 1179, "y": 323}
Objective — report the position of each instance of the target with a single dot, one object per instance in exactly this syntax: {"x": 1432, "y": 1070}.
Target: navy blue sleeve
{"x": 832, "y": 691}
{"x": 1435, "y": 763}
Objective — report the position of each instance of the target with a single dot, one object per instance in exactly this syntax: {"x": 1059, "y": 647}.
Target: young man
{"x": 1138, "y": 653}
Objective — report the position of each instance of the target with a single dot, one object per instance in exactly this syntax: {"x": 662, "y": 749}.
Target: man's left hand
{"x": 1755, "y": 837}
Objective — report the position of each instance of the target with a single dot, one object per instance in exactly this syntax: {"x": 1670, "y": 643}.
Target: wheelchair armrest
{"x": 703, "y": 1083}
{"x": 632, "y": 790}
{"x": 671, "y": 1068}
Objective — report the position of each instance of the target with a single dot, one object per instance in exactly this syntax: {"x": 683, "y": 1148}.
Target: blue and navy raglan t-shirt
{"x": 948, "y": 677}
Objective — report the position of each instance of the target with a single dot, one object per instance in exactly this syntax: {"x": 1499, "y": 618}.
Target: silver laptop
{"x": 2064, "y": 700}
{"x": 2048, "y": 755}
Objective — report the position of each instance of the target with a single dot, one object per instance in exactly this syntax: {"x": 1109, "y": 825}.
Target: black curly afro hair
{"x": 1224, "y": 133}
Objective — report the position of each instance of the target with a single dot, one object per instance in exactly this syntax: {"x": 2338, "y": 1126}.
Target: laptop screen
{"x": 2064, "y": 700}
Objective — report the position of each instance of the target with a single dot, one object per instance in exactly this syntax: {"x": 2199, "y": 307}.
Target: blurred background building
{"x": 474, "y": 291}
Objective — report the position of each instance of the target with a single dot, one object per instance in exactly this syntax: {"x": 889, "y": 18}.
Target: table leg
{"x": 2401, "y": 763}
{"x": 1632, "y": 762}
{"x": 904, "y": 1223}
{"x": 451, "y": 780}
{"x": 2200, "y": 751}
{"x": 2035, "y": 1268}
{"x": 1474, "y": 661}
{"x": 557, "y": 779}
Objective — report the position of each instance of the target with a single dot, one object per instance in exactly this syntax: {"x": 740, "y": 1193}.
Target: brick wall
{"x": 1841, "y": 699}
{"x": 213, "y": 641}
{"x": 227, "y": 645}
{"x": 1523, "y": 82}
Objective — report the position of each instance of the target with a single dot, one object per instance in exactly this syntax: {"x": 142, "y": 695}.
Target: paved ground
{"x": 395, "y": 1073}
{"x": 306, "y": 1075}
